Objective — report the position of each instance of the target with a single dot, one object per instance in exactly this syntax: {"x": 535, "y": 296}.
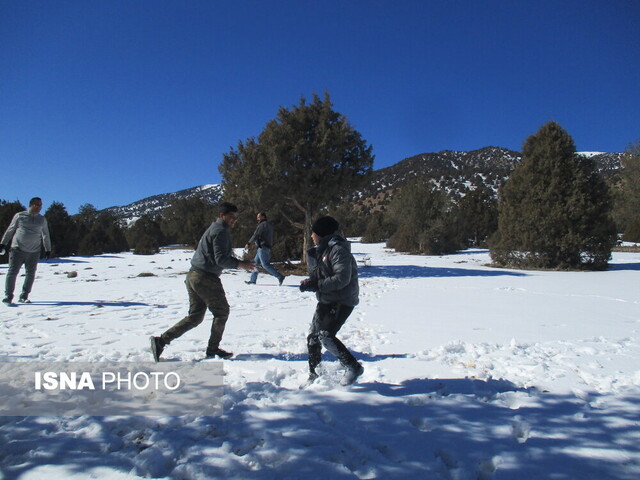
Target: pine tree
{"x": 145, "y": 236}
{"x": 62, "y": 229}
{"x": 186, "y": 220}
{"x": 378, "y": 228}
{"x": 305, "y": 159}
{"x": 554, "y": 210}
{"x": 425, "y": 221}
{"x": 104, "y": 235}
{"x": 478, "y": 214}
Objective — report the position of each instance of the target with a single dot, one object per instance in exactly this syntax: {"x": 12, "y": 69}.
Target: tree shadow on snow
{"x": 443, "y": 387}
{"x": 424, "y": 429}
{"x": 420, "y": 428}
{"x": 96, "y": 303}
{"x": 414, "y": 271}
{"x": 625, "y": 266}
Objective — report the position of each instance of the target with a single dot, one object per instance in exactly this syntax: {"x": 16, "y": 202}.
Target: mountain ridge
{"x": 455, "y": 171}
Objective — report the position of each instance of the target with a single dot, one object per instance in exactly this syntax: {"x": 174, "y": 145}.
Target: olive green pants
{"x": 205, "y": 292}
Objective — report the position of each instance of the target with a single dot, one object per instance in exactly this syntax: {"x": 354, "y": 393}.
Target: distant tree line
{"x": 554, "y": 211}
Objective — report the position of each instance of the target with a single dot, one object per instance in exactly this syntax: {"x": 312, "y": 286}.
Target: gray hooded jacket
{"x": 332, "y": 264}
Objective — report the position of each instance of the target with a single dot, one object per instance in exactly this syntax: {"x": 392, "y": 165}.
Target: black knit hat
{"x": 325, "y": 226}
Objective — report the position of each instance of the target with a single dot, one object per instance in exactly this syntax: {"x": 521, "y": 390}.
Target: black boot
{"x": 157, "y": 346}
{"x": 218, "y": 352}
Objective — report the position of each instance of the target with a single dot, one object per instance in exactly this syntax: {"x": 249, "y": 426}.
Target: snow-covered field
{"x": 470, "y": 373}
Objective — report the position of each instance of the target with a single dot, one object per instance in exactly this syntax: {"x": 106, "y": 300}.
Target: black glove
{"x": 47, "y": 255}
{"x": 309, "y": 285}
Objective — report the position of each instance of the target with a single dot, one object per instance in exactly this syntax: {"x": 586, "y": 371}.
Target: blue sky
{"x": 107, "y": 102}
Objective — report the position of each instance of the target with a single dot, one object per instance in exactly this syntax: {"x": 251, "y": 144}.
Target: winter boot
{"x": 157, "y": 346}
{"x": 219, "y": 353}
{"x": 352, "y": 374}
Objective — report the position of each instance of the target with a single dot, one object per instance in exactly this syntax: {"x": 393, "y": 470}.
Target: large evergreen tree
{"x": 305, "y": 159}
{"x": 554, "y": 210}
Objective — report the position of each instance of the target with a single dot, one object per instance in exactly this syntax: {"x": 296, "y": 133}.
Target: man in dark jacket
{"x": 334, "y": 278}
{"x": 204, "y": 286}
{"x": 263, "y": 238}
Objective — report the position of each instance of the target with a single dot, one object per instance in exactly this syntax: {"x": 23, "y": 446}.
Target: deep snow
{"x": 471, "y": 372}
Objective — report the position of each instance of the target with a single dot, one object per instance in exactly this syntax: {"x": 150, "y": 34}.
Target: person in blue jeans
{"x": 263, "y": 238}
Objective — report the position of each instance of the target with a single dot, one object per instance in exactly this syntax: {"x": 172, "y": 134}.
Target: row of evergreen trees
{"x": 554, "y": 211}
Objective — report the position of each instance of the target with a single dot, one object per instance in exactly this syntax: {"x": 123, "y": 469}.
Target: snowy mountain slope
{"x": 452, "y": 171}
{"x": 470, "y": 373}
{"x": 157, "y": 203}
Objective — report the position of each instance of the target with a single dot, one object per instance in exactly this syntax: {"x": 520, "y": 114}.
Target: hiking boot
{"x": 220, "y": 353}
{"x": 352, "y": 375}
{"x": 249, "y": 283}
{"x": 280, "y": 280}
{"x": 157, "y": 346}
{"x": 7, "y": 300}
{"x": 24, "y": 300}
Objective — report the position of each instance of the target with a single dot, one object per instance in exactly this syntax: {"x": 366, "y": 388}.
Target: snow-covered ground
{"x": 470, "y": 373}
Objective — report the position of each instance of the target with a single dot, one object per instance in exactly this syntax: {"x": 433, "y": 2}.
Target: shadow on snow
{"x": 414, "y": 271}
{"x": 421, "y": 428}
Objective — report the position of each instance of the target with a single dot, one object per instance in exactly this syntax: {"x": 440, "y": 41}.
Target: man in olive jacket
{"x": 205, "y": 289}
{"x": 334, "y": 278}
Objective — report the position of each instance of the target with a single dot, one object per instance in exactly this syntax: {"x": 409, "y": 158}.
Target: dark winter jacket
{"x": 214, "y": 251}
{"x": 332, "y": 264}
{"x": 263, "y": 236}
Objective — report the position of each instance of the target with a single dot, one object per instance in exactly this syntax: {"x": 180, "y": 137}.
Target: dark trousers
{"x": 18, "y": 258}
{"x": 205, "y": 292}
{"x": 327, "y": 321}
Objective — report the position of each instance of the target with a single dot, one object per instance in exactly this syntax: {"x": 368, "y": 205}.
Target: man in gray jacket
{"x": 334, "y": 278}
{"x": 205, "y": 289}
{"x": 24, "y": 237}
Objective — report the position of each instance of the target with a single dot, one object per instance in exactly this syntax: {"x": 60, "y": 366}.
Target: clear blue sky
{"x": 107, "y": 102}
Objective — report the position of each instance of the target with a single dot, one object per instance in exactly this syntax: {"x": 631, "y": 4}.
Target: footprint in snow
{"x": 520, "y": 430}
